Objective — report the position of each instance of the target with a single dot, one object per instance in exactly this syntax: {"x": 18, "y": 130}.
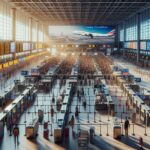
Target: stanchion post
{"x": 25, "y": 130}
{"x": 51, "y": 131}
{"x": 145, "y": 126}
{"x": 100, "y": 117}
{"x": 107, "y": 130}
{"x": 94, "y": 116}
{"x": 121, "y": 117}
{"x": 133, "y": 130}
{"x": 122, "y": 129}
{"x": 100, "y": 130}
{"x": 48, "y": 115}
{"x": 108, "y": 112}
{"x": 34, "y": 109}
{"x": 88, "y": 117}
{"x": 25, "y": 117}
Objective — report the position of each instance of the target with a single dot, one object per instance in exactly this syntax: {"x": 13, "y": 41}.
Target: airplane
{"x": 83, "y": 33}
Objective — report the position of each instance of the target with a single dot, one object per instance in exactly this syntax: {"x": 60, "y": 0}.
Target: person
{"x": 72, "y": 122}
{"x": 76, "y": 111}
{"x": 84, "y": 102}
{"x": 141, "y": 142}
{"x": 16, "y": 134}
{"x": 52, "y": 111}
{"x": 82, "y": 91}
{"x": 78, "y": 93}
{"x": 94, "y": 90}
{"x": 126, "y": 126}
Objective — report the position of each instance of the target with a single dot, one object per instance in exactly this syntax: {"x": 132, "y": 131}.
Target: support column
{"x": 37, "y": 27}
{"x": 118, "y": 37}
{"x": 30, "y": 29}
{"x": 42, "y": 36}
{"x": 30, "y": 33}
{"x": 138, "y": 36}
{"x": 124, "y": 28}
{"x": 13, "y": 15}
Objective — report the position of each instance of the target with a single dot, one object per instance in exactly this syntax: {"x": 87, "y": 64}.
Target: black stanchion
{"x": 51, "y": 131}
{"x": 48, "y": 115}
{"x": 145, "y": 130}
{"x": 35, "y": 109}
{"x": 121, "y": 117}
{"x": 122, "y": 129}
{"x": 88, "y": 117}
{"x": 107, "y": 131}
{"x": 100, "y": 117}
{"x": 108, "y": 113}
{"x": 133, "y": 130}
{"x": 25, "y": 130}
{"x": 100, "y": 131}
{"x": 94, "y": 116}
{"x": 25, "y": 117}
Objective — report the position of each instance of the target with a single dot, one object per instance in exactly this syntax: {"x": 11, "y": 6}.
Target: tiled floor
{"x": 86, "y": 120}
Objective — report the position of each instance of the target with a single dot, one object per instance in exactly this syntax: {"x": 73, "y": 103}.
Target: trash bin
{"x": 92, "y": 133}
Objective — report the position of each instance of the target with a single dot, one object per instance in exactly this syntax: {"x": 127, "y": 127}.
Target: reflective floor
{"x": 88, "y": 117}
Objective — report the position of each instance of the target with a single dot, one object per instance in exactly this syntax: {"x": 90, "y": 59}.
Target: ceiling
{"x": 81, "y": 12}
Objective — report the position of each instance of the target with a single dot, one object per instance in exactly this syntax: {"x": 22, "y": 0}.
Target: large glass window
{"x": 5, "y": 22}
{"x": 40, "y": 33}
{"x": 22, "y": 27}
{"x": 131, "y": 29}
{"x": 34, "y": 31}
{"x": 145, "y": 25}
{"x": 121, "y": 32}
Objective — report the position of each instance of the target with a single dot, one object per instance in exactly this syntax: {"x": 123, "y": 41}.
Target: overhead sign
{"x": 125, "y": 71}
{"x": 34, "y": 72}
{"x": 24, "y": 72}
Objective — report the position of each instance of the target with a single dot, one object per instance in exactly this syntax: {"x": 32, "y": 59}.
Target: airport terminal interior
{"x": 74, "y": 74}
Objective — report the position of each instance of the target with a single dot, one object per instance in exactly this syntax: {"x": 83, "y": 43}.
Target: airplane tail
{"x": 111, "y": 33}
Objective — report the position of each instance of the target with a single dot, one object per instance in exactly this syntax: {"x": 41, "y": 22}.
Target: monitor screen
{"x": 12, "y": 47}
{"x": 82, "y": 34}
{"x": 143, "y": 45}
{"x": 148, "y": 45}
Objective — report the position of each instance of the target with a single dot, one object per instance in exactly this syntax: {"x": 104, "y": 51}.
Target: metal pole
{"x": 25, "y": 130}
{"x": 25, "y": 117}
{"x": 122, "y": 129}
{"x": 99, "y": 117}
{"x": 121, "y": 117}
{"x": 48, "y": 115}
{"x": 51, "y": 131}
{"x": 145, "y": 126}
{"x": 108, "y": 112}
{"x": 107, "y": 131}
{"x": 100, "y": 130}
{"x": 133, "y": 130}
{"x": 94, "y": 116}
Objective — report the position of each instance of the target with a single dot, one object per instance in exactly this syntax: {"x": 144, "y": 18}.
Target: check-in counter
{"x": 32, "y": 129}
{"x": 145, "y": 114}
{"x": 137, "y": 101}
{"x": 13, "y": 111}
